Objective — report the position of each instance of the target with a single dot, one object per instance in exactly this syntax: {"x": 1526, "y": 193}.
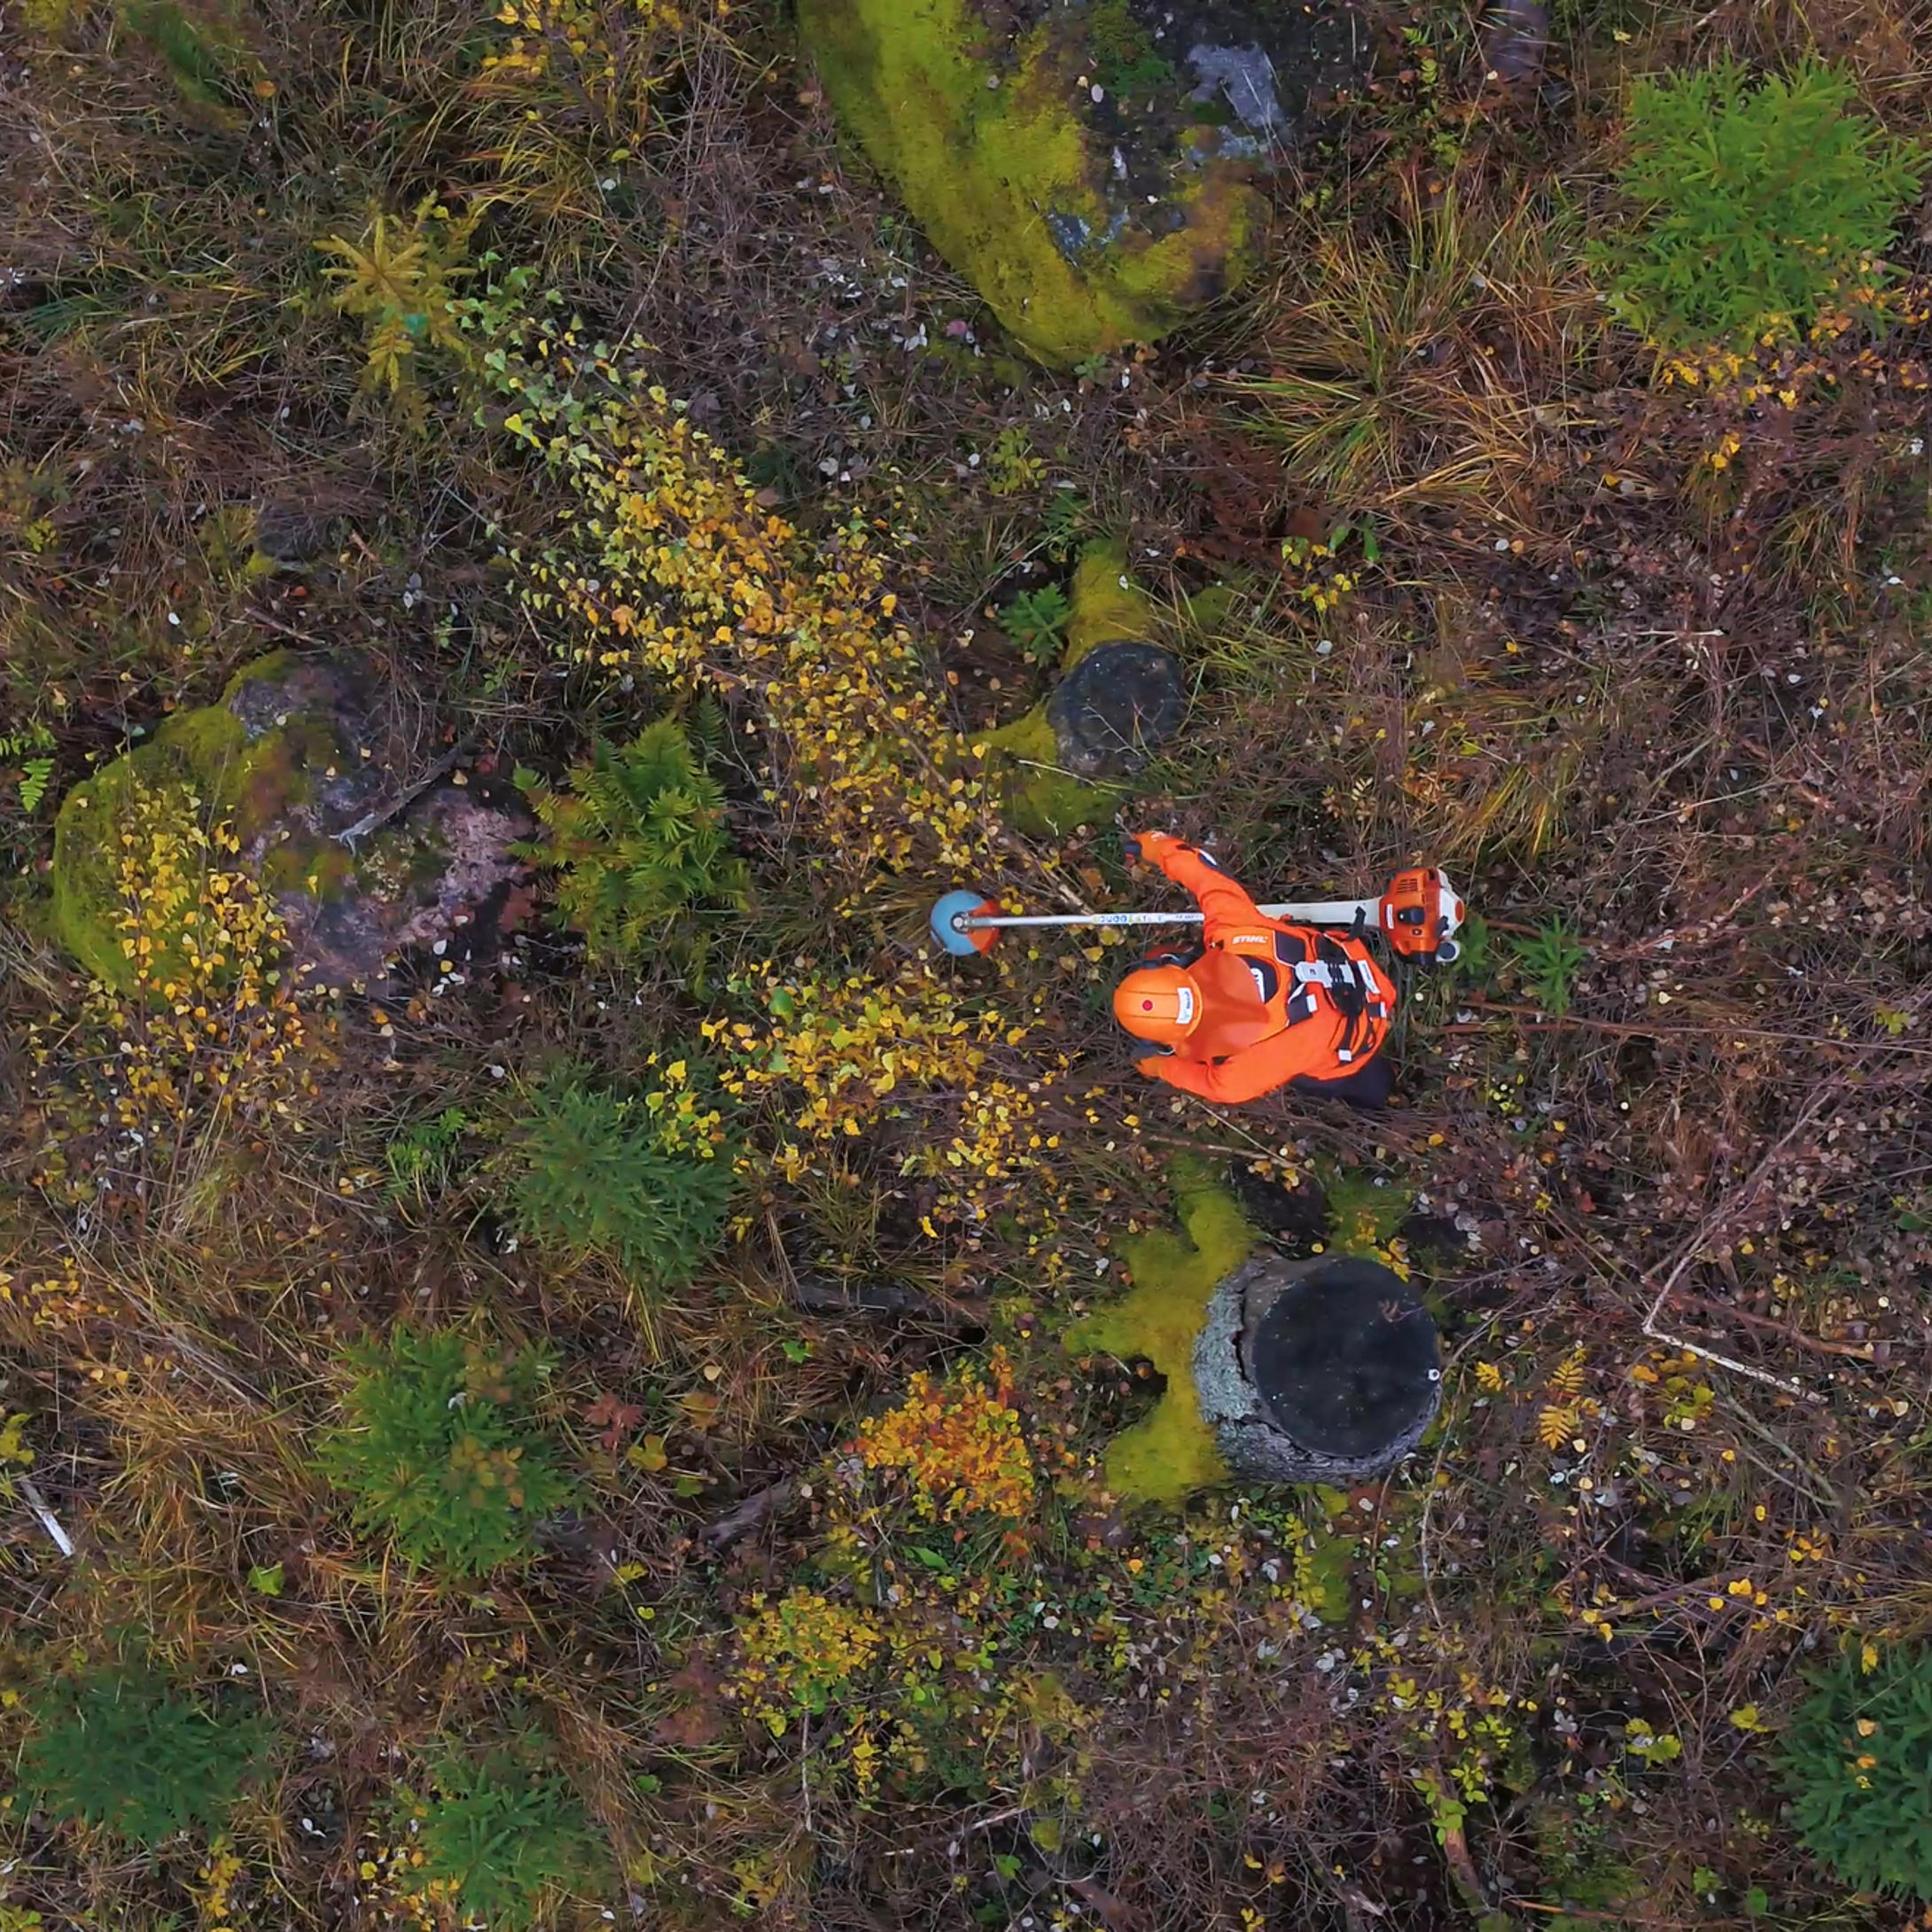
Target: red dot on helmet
{"x": 1147, "y": 1005}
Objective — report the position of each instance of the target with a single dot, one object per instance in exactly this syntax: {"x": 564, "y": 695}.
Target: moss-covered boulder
{"x": 313, "y": 780}
{"x": 1088, "y": 164}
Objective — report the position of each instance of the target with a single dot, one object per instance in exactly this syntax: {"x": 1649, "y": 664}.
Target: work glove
{"x": 1144, "y": 848}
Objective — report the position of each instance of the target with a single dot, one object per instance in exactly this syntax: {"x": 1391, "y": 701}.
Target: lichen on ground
{"x": 1171, "y": 1452}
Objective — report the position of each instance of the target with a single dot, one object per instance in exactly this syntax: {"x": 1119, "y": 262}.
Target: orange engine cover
{"x": 1419, "y": 912}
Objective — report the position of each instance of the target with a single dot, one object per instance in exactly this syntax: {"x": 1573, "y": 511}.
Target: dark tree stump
{"x": 1118, "y": 703}
{"x": 1327, "y": 1370}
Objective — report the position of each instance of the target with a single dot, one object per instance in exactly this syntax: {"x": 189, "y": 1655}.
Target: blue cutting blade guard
{"x": 956, "y": 906}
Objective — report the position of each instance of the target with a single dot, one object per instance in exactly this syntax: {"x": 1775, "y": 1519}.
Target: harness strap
{"x": 1339, "y": 973}
{"x": 1345, "y": 974}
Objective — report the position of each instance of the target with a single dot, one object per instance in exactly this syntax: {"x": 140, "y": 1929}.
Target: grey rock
{"x": 291, "y": 534}
{"x": 1244, "y": 77}
{"x": 433, "y": 863}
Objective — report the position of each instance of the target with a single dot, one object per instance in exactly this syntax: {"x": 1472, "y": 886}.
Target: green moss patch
{"x": 1171, "y": 1452}
{"x": 1108, "y": 605}
{"x": 1016, "y": 190}
{"x": 1037, "y": 796}
{"x": 193, "y": 750}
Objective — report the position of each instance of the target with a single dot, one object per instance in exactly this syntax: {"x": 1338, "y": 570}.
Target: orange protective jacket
{"x": 1278, "y": 1003}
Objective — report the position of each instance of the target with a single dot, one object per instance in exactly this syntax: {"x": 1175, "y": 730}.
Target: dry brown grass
{"x": 1437, "y": 360}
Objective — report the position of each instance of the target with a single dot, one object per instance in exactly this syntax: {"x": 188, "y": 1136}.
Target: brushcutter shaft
{"x": 1332, "y": 912}
{"x": 1417, "y": 916}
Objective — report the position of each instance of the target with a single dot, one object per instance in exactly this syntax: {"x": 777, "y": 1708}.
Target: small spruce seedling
{"x": 441, "y": 1452}
{"x": 1549, "y": 963}
{"x": 640, "y": 840}
{"x": 131, "y": 1754}
{"x": 1754, "y": 209}
{"x": 591, "y": 1174}
{"x": 510, "y": 1839}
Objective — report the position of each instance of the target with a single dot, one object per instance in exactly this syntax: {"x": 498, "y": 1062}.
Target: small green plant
{"x": 1065, "y": 524}
{"x": 509, "y": 1838}
{"x": 1475, "y": 956}
{"x": 441, "y": 1452}
{"x": 1655, "y": 1748}
{"x": 422, "y": 1159}
{"x": 131, "y": 1754}
{"x": 1858, "y": 1764}
{"x": 1036, "y": 621}
{"x": 639, "y": 1180}
{"x": 398, "y": 282}
{"x": 641, "y": 838}
{"x": 1549, "y": 963}
{"x": 195, "y": 62}
{"x": 1012, "y": 469}
{"x": 36, "y": 771}
{"x": 1755, "y": 209}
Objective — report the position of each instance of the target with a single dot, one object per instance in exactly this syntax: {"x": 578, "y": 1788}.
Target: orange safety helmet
{"x": 1159, "y": 1003}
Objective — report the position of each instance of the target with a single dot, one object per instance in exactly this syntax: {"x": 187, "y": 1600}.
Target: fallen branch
{"x": 749, "y": 1515}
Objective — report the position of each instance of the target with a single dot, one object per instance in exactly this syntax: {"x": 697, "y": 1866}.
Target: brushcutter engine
{"x": 1420, "y": 915}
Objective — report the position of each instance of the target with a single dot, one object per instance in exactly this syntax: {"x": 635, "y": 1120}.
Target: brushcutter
{"x": 1418, "y": 916}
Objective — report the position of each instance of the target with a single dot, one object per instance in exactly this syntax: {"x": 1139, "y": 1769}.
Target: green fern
{"x": 640, "y": 840}
{"x": 128, "y": 1752}
{"x": 441, "y": 1452}
{"x": 1857, "y": 1762}
{"x": 36, "y": 775}
{"x": 591, "y": 1174}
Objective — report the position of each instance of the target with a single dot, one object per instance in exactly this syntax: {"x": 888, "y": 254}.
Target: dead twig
{"x": 721, "y": 1534}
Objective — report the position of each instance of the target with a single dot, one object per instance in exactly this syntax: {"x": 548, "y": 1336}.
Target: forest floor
{"x": 1648, "y": 673}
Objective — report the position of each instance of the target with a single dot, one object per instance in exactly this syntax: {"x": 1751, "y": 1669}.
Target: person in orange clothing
{"x": 1259, "y": 1004}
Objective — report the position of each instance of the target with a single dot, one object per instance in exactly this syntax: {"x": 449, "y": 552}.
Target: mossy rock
{"x": 295, "y": 759}
{"x": 1087, "y": 166}
{"x": 208, "y": 750}
{"x": 1171, "y": 1452}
